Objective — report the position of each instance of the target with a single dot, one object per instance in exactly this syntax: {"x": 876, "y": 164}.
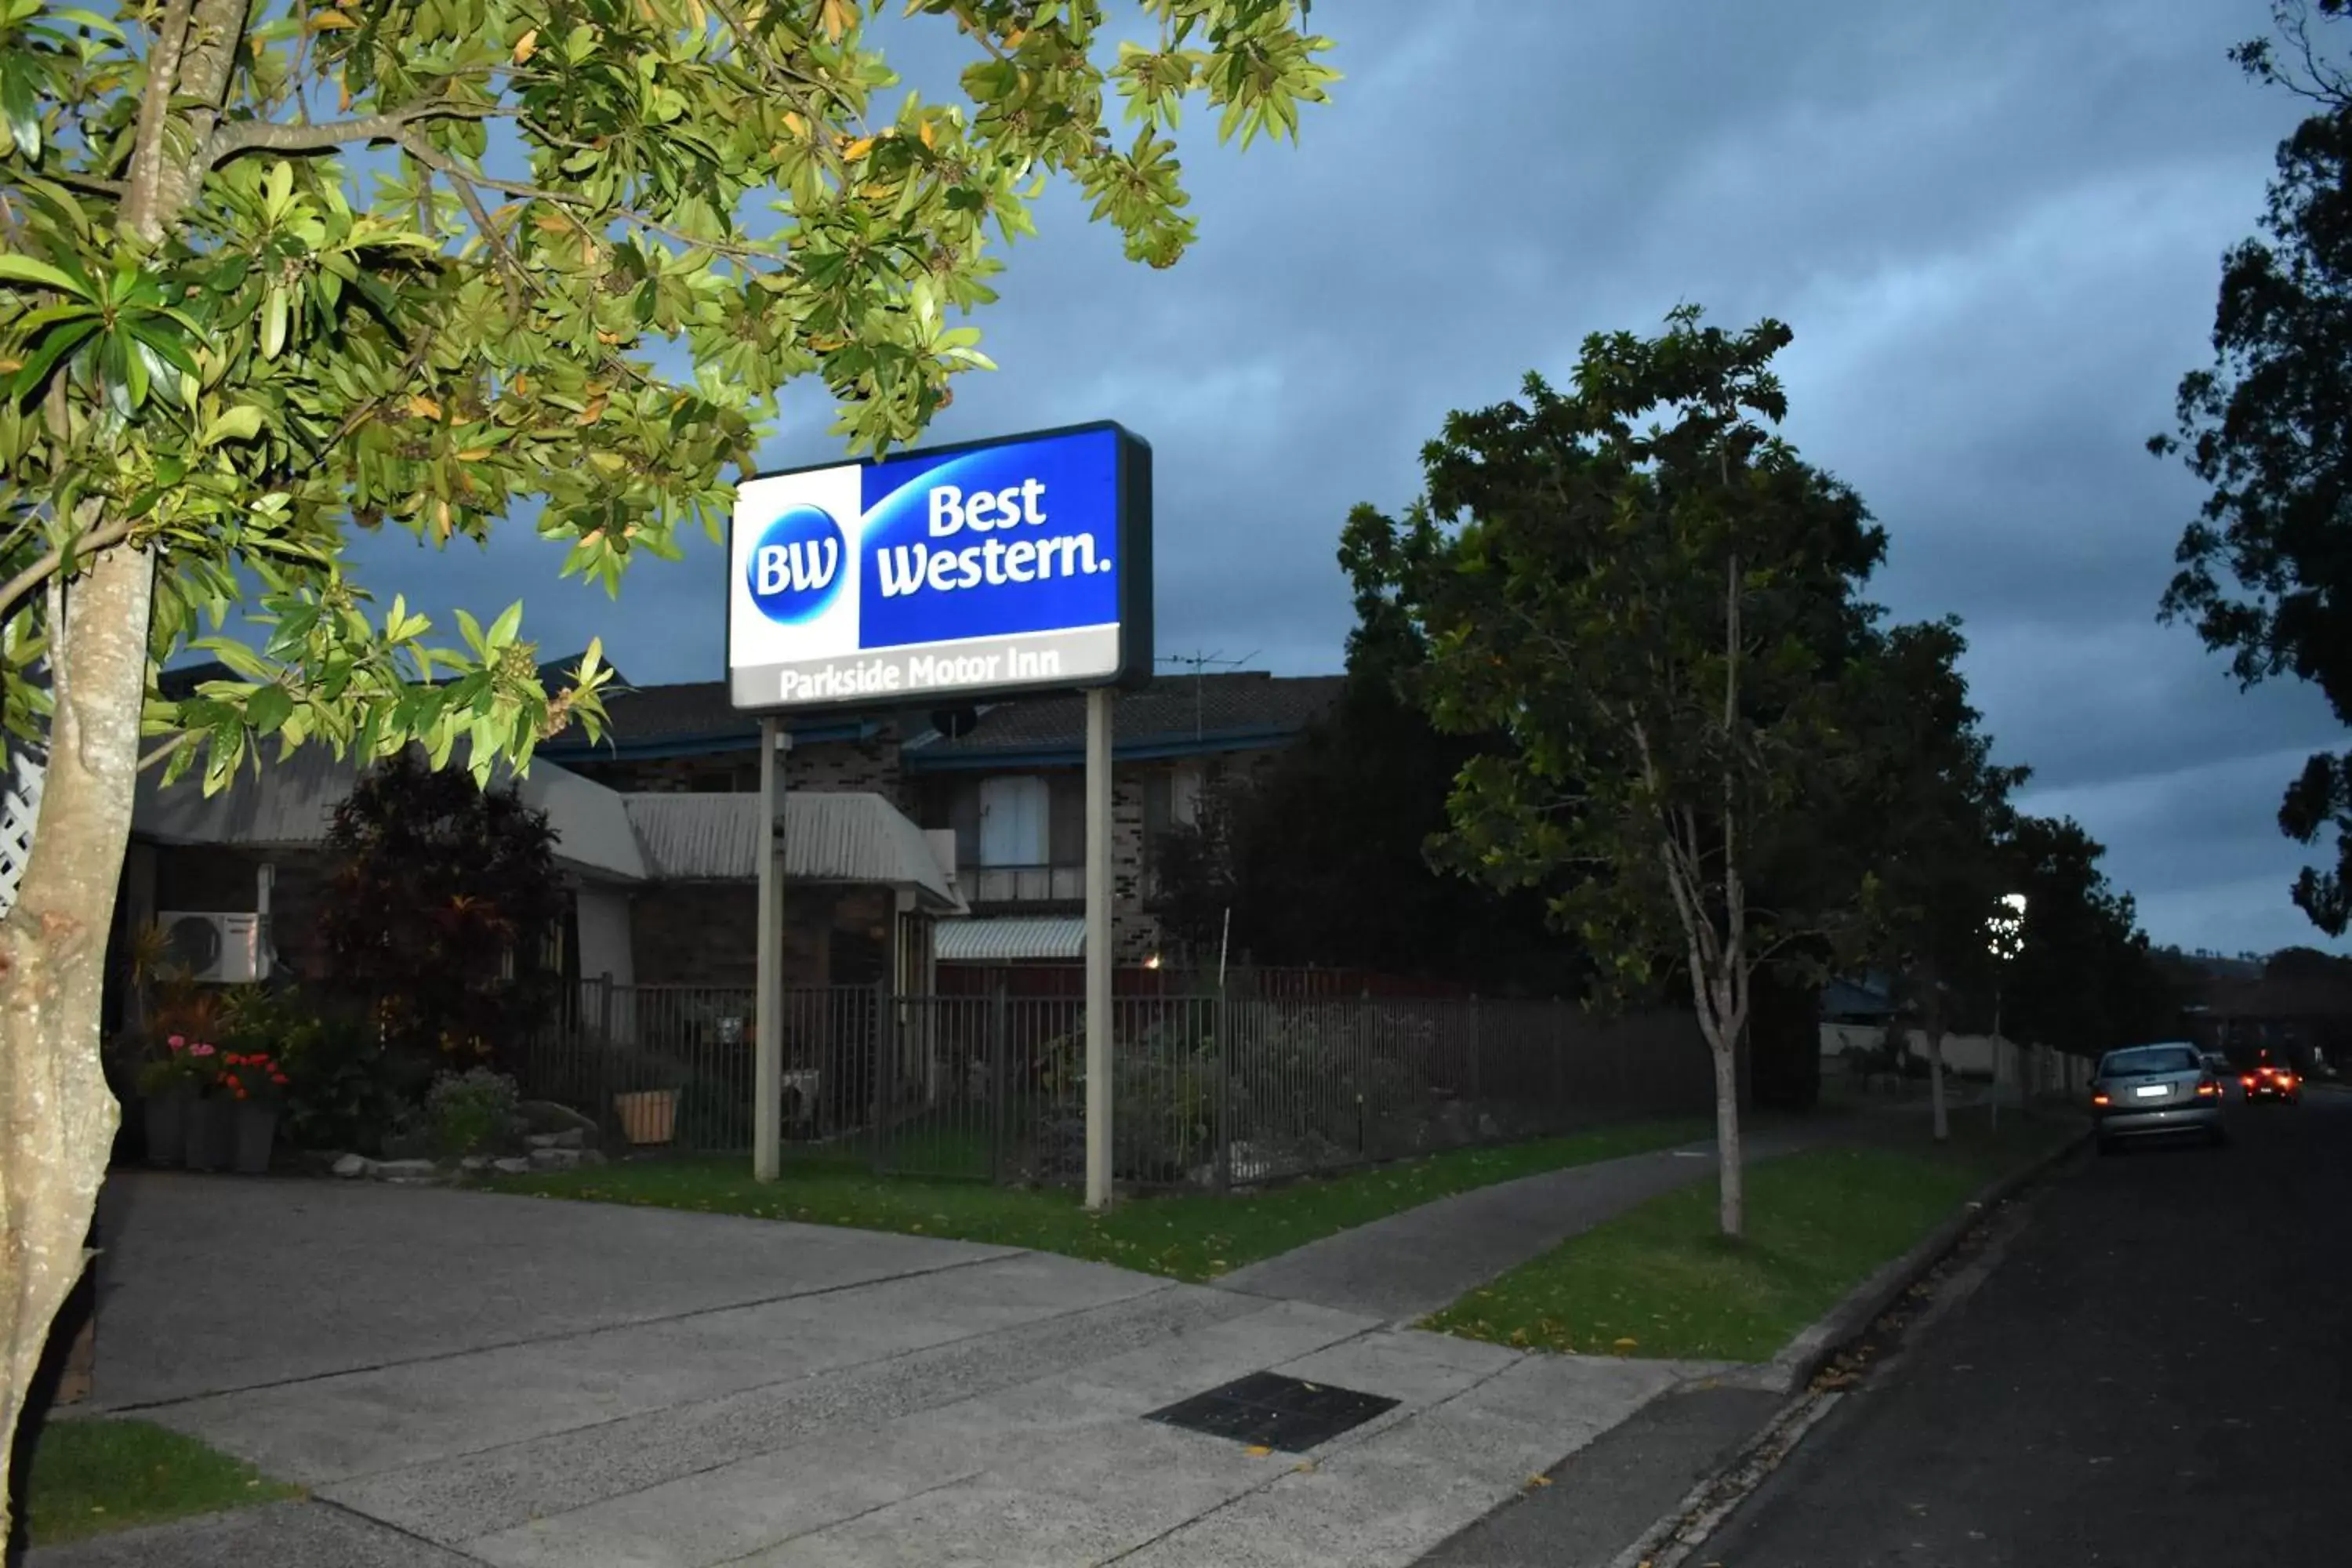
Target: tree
{"x": 271, "y": 273}
{"x": 2265, "y": 573}
{"x": 445, "y": 895}
{"x": 2086, "y": 980}
{"x": 1331, "y": 864}
{"x": 1933, "y": 812}
{"x": 1640, "y": 610}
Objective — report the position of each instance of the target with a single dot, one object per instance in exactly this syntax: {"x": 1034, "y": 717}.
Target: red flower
{"x": 177, "y": 1042}
{"x": 280, "y": 1078}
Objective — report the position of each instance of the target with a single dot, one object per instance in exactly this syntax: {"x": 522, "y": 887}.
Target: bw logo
{"x": 795, "y": 571}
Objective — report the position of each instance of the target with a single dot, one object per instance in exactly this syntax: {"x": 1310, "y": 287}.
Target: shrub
{"x": 470, "y": 1111}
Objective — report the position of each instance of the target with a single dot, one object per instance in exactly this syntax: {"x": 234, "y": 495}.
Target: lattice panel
{"x": 20, "y": 806}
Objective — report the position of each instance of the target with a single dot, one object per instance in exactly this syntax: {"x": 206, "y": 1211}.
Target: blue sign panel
{"x": 1019, "y": 564}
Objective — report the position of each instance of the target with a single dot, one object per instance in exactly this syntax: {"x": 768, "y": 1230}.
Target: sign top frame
{"x": 882, "y": 613}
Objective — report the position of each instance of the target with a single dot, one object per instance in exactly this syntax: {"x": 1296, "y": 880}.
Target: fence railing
{"x": 1206, "y": 1091}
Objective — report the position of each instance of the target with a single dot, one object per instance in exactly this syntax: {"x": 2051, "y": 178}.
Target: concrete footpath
{"x": 459, "y": 1378}
{"x": 1409, "y": 1265}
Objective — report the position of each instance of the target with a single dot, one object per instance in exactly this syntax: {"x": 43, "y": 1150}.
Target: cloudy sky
{"x": 1996, "y": 230}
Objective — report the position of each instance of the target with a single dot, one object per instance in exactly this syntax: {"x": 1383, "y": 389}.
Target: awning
{"x": 291, "y": 804}
{"x": 853, "y": 838}
{"x": 1003, "y": 937}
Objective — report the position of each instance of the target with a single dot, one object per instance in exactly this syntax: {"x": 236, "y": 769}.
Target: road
{"x": 2155, "y": 1373}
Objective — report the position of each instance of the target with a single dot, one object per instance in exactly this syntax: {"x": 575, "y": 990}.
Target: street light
{"x": 2005, "y": 940}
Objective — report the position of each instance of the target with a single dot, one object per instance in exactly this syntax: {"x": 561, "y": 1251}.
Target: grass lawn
{"x": 1659, "y": 1280}
{"x": 1191, "y": 1235}
{"x": 91, "y": 1475}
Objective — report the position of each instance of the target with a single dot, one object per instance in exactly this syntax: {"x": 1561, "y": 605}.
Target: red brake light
{"x": 2248, "y": 1080}
{"x": 2209, "y": 1088}
{"x": 2098, "y": 1098}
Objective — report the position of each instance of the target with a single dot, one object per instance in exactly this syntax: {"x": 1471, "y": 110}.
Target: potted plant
{"x": 251, "y": 1085}
{"x": 169, "y": 1086}
{"x": 210, "y": 1118}
{"x": 648, "y": 1113}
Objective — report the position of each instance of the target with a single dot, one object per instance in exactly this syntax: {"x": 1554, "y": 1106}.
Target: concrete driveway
{"x": 459, "y": 1377}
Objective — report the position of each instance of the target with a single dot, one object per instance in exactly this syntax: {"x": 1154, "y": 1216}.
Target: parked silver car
{"x": 2153, "y": 1091}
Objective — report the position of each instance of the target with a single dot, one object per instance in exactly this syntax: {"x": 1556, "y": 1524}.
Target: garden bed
{"x": 1185, "y": 1236}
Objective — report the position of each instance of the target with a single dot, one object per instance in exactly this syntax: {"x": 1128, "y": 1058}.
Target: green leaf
{"x": 242, "y": 423}
{"x": 15, "y": 268}
{"x": 17, "y": 102}
{"x": 273, "y": 322}
{"x": 502, "y": 631}
{"x": 268, "y": 708}
{"x": 62, "y": 341}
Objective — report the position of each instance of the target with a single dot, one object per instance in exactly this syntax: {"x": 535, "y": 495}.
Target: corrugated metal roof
{"x": 291, "y": 804}
{"x": 1003, "y": 937}
{"x": 828, "y": 838}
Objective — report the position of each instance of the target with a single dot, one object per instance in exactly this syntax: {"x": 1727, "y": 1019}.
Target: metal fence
{"x": 1206, "y": 1091}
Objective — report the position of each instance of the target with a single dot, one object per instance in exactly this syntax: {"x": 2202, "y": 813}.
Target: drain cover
{"x": 1277, "y": 1412}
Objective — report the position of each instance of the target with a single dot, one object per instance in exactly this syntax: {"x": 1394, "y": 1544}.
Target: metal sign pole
{"x": 768, "y": 999}
{"x": 1098, "y": 948}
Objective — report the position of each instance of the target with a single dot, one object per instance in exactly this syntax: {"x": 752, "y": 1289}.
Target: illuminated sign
{"x": 1000, "y": 566}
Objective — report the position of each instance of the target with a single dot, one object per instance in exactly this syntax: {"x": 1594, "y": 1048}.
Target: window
{"x": 1013, "y": 818}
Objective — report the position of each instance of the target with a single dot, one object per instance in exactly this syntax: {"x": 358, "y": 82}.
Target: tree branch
{"x": 566, "y": 199}
{"x": 39, "y": 572}
{"x": 147, "y": 140}
{"x": 270, "y": 135}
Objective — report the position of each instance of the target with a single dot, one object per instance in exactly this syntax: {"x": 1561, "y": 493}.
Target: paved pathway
{"x": 463, "y": 1379}
{"x": 1409, "y": 1265}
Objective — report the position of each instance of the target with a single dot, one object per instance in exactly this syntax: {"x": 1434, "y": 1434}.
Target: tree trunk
{"x": 1731, "y": 1194}
{"x": 57, "y": 1116}
{"x": 1935, "y": 1033}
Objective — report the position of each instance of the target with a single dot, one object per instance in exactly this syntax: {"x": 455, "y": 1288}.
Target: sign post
{"x": 768, "y": 999}
{"x": 988, "y": 570}
{"x": 1098, "y": 949}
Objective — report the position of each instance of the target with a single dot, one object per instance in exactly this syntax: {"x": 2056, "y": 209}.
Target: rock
{"x": 546, "y": 1116}
{"x": 350, "y": 1165}
{"x": 556, "y": 1159}
{"x": 511, "y": 1167}
{"x": 1487, "y": 1127}
{"x": 592, "y": 1156}
{"x": 570, "y": 1138}
{"x": 402, "y": 1170}
{"x": 540, "y": 1141}
{"x": 473, "y": 1164}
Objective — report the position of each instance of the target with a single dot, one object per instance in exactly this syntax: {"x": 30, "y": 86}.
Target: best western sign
{"x": 1024, "y": 563}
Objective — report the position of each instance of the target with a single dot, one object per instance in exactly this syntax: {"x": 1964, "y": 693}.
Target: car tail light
{"x": 2099, "y": 1099}
{"x": 2209, "y": 1088}
{"x": 2248, "y": 1080}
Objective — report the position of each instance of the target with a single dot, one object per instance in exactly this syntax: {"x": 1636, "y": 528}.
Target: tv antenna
{"x": 1200, "y": 664}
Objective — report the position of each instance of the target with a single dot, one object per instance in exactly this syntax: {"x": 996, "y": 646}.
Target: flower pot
{"x": 254, "y": 1128}
{"x": 211, "y": 1129}
{"x": 647, "y": 1116}
{"x": 167, "y": 1126}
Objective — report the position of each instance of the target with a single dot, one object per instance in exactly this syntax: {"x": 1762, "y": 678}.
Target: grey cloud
{"x": 1995, "y": 227}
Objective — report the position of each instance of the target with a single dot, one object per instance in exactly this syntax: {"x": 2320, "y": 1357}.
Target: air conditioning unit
{"x": 222, "y": 948}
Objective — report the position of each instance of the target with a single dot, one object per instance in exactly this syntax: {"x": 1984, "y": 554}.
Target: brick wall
{"x": 707, "y": 934}
{"x": 1135, "y": 932}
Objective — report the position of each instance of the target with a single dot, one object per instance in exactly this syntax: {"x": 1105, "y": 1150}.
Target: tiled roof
{"x": 1170, "y": 712}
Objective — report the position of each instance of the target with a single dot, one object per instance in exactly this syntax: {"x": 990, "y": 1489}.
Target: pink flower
{"x": 200, "y": 1049}
{"x": 177, "y": 1041}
